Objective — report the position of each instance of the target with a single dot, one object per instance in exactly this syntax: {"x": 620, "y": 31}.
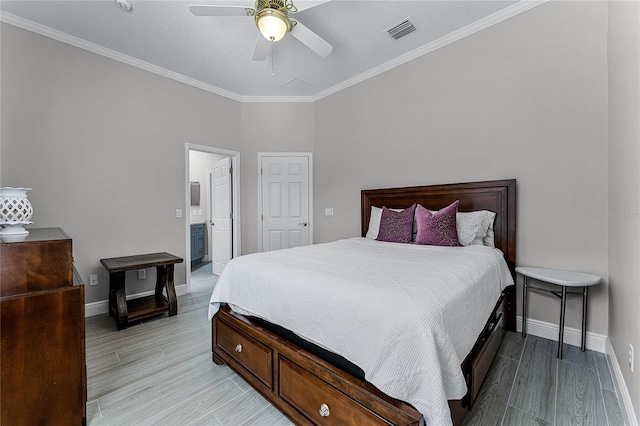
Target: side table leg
{"x": 165, "y": 280}
{"x": 161, "y": 280}
{"x": 584, "y": 318}
{"x": 563, "y": 304}
{"x": 524, "y": 306}
{"x": 171, "y": 292}
{"x": 118, "y": 299}
{"x": 113, "y": 305}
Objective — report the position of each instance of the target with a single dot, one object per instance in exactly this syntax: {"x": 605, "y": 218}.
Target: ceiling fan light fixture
{"x": 273, "y": 24}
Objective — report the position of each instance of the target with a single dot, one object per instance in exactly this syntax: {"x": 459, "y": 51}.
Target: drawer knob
{"x": 324, "y": 410}
{"x": 238, "y": 348}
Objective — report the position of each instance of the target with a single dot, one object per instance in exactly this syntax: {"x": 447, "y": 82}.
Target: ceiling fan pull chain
{"x": 272, "y": 72}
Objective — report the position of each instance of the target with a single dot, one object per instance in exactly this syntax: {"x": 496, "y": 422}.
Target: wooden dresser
{"x": 43, "y": 373}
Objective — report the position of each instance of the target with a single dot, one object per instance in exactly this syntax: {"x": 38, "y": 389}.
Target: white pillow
{"x": 489, "y": 240}
{"x": 374, "y": 222}
{"x": 474, "y": 227}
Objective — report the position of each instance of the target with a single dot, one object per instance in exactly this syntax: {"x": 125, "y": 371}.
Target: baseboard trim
{"x": 102, "y": 307}
{"x": 595, "y": 342}
{"x": 572, "y": 336}
{"x": 621, "y": 387}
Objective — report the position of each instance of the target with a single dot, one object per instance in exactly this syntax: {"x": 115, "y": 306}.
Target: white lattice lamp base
{"x": 15, "y": 211}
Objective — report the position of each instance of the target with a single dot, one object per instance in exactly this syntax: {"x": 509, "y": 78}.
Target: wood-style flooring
{"x": 159, "y": 372}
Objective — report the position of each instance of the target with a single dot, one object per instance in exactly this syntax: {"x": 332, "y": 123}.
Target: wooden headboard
{"x": 498, "y": 196}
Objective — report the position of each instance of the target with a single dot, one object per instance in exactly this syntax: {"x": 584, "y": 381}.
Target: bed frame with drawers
{"x": 309, "y": 389}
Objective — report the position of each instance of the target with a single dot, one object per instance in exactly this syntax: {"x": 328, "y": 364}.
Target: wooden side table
{"x": 144, "y": 307}
{"x": 564, "y": 279}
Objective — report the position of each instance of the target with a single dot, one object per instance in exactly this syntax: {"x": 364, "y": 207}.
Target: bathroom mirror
{"x": 195, "y": 193}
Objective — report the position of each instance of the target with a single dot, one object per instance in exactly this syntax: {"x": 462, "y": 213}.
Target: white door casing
{"x": 285, "y": 192}
{"x": 236, "y": 231}
{"x": 221, "y": 215}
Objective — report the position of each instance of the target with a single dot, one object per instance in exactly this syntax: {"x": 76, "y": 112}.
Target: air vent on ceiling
{"x": 402, "y": 29}
{"x": 296, "y": 84}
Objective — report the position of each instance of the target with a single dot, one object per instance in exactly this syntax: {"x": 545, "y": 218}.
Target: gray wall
{"x": 102, "y": 144}
{"x": 624, "y": 181}
{"x": 524, "y": 99}
{"x": 269, "y": 127}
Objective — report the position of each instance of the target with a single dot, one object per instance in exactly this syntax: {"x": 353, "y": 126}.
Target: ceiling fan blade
{"x": 308, "y": 4}
{"x": 219, "y": 10}
{"x": 312, "y": 40}
{"x": 261, "y": 50}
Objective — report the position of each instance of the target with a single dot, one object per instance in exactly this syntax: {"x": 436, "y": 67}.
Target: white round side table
{"x": 564, "y": 279}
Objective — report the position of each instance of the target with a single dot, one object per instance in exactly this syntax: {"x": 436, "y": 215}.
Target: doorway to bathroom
{"x": 212, "y": 209}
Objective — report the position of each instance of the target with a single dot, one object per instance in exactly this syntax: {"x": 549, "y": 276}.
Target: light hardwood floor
{"x": 159, "y": 372}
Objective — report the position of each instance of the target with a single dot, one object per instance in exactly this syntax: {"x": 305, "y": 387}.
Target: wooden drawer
{"x": 42, "y": 367}
{"x": 251, "y": 354}
{"x": 44, "y": 260}
{"x": 295, "y": 386}
{"x": 491, "y": 339}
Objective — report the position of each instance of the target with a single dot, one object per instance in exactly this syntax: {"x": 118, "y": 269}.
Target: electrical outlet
{"x": 93, "y": 279}
{"x": 328, "y": 211}
{"x": 631, "y": 357}
{"x": 142, "y": 274}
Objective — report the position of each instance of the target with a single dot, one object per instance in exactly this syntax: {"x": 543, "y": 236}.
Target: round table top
{"x": 560, "y": 277}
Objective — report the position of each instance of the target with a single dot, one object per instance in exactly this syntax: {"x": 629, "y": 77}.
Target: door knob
{"x": 303, "y": 223}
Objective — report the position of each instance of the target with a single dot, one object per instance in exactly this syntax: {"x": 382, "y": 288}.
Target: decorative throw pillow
{"x": 374, "y": 223}
{"x": 439, "y": 228}
{"x": 396, "y": 227}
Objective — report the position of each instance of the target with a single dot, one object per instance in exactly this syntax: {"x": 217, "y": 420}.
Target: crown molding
{"x": 34, "y": 27}
{"x": 298, "y": 99}
{"x": 463, "y": 32}
{"x": 489, "y": 21}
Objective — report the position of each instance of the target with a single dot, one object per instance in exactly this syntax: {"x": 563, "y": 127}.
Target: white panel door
{"x": 285, "y": 202}
{"x": 221, "y": 215}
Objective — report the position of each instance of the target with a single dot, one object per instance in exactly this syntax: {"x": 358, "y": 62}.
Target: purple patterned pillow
{"x": 396, "y": 227}
{"x": 439, "y": 228}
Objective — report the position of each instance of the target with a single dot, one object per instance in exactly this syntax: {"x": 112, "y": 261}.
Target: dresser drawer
{"x": 491, "y": 339}
{"x": 323, "y": 405}
{"x": 44, "y": 260}
{"x": 252, "y": 355}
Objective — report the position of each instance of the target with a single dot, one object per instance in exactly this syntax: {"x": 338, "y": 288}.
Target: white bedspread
{"x": 407, "y": 315}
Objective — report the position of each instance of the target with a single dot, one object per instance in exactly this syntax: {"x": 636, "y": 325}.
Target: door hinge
{"x": 230, "y": 170}
{"x": 230, "y": 215}
{"x": 261, "y": 171}
{"x": 262, "y": 217}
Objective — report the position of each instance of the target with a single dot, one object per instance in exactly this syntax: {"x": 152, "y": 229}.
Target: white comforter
{"x": 407, "y": 315}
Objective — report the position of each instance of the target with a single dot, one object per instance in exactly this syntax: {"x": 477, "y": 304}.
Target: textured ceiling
{"x": 214, "y": 53}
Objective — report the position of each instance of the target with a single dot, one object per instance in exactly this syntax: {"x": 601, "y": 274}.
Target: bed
{"x": 320, "y": 378}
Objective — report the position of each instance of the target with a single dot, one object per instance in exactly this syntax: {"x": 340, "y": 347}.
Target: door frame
{"x": 235, "y": 203}
{"x": 261, "y": 155}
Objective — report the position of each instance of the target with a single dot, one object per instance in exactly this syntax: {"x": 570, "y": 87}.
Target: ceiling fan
{"x": 273, "y": 20}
